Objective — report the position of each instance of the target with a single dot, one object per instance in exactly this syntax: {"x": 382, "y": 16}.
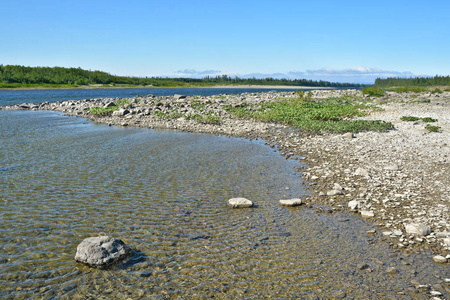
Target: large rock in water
{"x": 101, "y": 251}
{"x": 239, "y": 203}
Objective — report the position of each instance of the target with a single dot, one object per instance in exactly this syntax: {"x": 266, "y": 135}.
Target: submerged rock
{"x": 239, "y": 203}
{"x": 101, "y": 251}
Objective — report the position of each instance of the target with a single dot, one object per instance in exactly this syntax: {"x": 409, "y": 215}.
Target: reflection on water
{"x": 164, "y": 193}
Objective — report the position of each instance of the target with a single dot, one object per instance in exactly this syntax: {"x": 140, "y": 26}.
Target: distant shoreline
{"x": 93, "y": 87}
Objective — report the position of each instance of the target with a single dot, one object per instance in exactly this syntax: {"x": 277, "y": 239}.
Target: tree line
{"x": 21, "y": 75}
{"x": 416, "y": 81}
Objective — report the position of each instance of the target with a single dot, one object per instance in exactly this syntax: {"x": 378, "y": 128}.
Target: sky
{"x": 339, "y": 41}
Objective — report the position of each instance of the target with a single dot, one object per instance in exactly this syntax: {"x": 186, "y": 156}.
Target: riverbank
{"x": 393, "y": 179}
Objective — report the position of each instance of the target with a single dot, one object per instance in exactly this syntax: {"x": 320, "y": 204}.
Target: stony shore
{"x": 399, "y": 180}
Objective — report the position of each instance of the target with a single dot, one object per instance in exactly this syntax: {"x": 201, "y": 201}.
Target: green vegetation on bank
{"x": 413, "y": 82}
{"x": 412, "y": 119}
{"x": 373, "y": 91}
{"x": 330, "y": 115}
{"x": 432, "y": 128}
{"x": 12, "y": 76}
{"x": 105, "y": 111}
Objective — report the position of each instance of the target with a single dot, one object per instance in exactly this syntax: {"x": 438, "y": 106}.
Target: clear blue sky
{"x": 352, "y": 41}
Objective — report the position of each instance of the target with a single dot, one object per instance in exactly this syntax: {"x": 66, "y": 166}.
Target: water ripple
{"x": 164, "y": 194}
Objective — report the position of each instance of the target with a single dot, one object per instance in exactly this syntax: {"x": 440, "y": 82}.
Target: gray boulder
{"x": 239, "y": 203}
{"x": 101, "y": 251}
{"x": 120, "y": 112}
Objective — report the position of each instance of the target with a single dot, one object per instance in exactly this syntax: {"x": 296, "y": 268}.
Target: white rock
{"x": 397, "y": 232}
{"x": 391, "y": 167}
{"x": 334, "y": 193}
{"x": 443, "y": 234}
{"x": 337, "y": 187}
{"x": 354, "y": 205}
{"x": 447, "y": 241}
{"x": 291, "y": 202}
{"x": 439, "y": 259}
{"x": 418, "y": 229}
{"x": 239, "y": 203}
{"x": 367, "y": 213}
{"x": 362, "y": 172}
{"x": 348, "y": 135}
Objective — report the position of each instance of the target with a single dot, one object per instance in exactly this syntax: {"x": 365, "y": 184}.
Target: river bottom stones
{"x": 101, "y": 251}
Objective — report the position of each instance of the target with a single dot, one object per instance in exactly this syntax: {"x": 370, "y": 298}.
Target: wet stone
{"x": 291, "y": 202}
{"x": 239, "y": 203}
{"x": 101, "y": 251}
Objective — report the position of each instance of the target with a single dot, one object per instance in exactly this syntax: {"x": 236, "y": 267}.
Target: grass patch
{"x": 208, "y": 119}
{"x": 429, "y": 120}
{"x": 412, "y": 119}
{"x": 409, "y": 118}
{"x": 432, "y": 128}
{"x": 409, "y": 89}
{"x": 437, "y": 91}
{"x": 106, "y": 111}
{"x": 332, "y": 115}
{"x": 373, "y": 91}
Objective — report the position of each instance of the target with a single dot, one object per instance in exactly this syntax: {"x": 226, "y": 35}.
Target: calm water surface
{"x": 164, "y": 193}
{"x": 11, "y": 97}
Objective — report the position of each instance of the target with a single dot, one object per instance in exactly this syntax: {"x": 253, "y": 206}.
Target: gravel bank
{"x": 393, "y": 179}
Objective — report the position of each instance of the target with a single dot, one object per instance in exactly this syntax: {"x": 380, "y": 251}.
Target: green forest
{"x": 13, "y": 76}
{"x": 417, "y": 81}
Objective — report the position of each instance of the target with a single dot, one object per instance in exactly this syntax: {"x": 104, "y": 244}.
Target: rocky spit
{"x": 399, "y": 180}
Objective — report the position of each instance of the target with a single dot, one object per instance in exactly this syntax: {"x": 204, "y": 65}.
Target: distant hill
{"x": 14, "y": 76}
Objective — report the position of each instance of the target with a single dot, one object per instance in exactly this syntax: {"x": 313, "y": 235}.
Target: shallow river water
{"x": 164, "y": 193}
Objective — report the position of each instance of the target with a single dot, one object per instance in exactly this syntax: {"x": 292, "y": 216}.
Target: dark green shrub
{"x": 432, "y": 128}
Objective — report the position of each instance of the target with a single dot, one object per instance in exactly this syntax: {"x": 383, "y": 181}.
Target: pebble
{"x": 391, "y": 271}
